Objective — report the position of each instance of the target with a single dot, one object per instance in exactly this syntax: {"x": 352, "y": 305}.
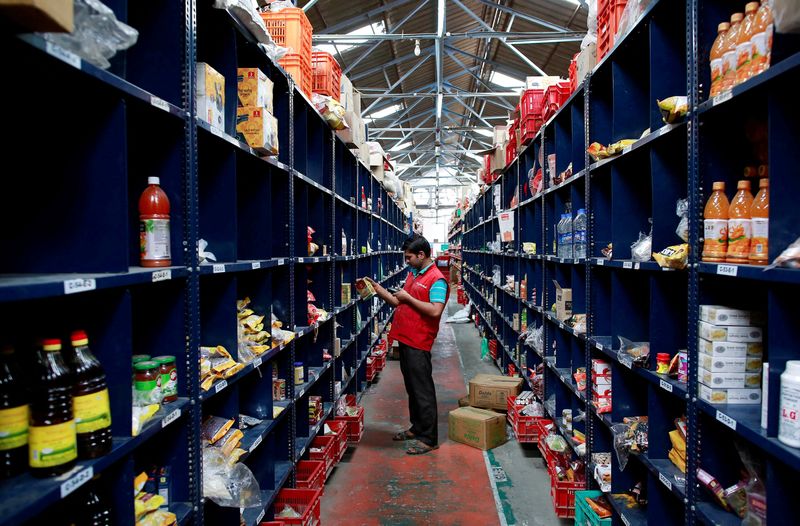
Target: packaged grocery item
{"x": 90, "y": 399}
{"x": 716, "y": 58}
{"x": 633, "y": 353}
{"x": 254, "y": 89}
{"x": 724, "y": 349}
{"x": 215, "y": 427}
{"x": 721, "y": 315}
{"x": 715, "y": 225}
{"x": 169, "y": 378}
{"x": 259, "y": 129}
{"x": 675, "y": 256}
{"x": 617, "y": 147}
{"x": 673, "y": 108}
{"x": 597, "y": 151}
{"x": 762, "y": 39}
{"x": 789, "y": 413}
{"x": 729, "y": 364}
{"x": 154, "y": 226}
{"x": 759, "y": 216}
{"x": 715, "y": 395}
{"x": 729, "y": 380}
{"x": 744, "y": 45}
{"x": 739, "y": 224}
{"x": 14, "y": 416}
{"x": 716, "y": 333}
{"x": 713, "y": 486}
{"x": 364, "y": 288}
{"x": 210, "y": 95}
{"x": 641, "y": 250}
{"x": 729, "y": 53}
{"x": 662, "y": 363}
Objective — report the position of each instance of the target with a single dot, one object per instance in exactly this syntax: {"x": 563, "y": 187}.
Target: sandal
{"x": 420, "y": 448}
{"x": 404, "y": 435}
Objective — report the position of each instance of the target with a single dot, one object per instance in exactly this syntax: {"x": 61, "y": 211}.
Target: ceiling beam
{"x": 399, "y": 60}
{"x": 361, "y": 39}
{"x": 399, "y": 81}
{"x": 358, "y": 19}
{"x": 524, "y": 16}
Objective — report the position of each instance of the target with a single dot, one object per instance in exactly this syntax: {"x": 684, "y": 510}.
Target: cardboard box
{"x": 357, "y": 102}
{"x": 210, "y": 95}
{"x": 729, "y": 380}
{"x": 258, "y": 129}
{"x": 347, "y": 293}
{"x": 476, "y": 427}
{"x": 601, "y": 391}
{"x": 491, "y": 391}
{"x": 729, "y": 396}
{"x": 346, "y": 93}
{"x": 716, "y": 333}
{"x": 600, "y": 368}
{"x": 541, "y": 81}
{"x": 586, "y": 61}
{"x": 254, "y": 89}
{"x": 730, "y": 349}
{"x": 717, "y": 364}
{"x": 601, "y": 380}
{"x": 563, "y": 302}
{"x": 48, "y": 16}
{"x": 726, "y": 316}
{"x": 501, "y": 135}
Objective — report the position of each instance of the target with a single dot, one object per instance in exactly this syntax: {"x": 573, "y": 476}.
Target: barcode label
{"x": 626, "y": 149}
{"x": 66, "y": 56}
{"x": 725, "y": 419}
{"x": 256, "y": 265}
{"x": 256, "y": 443}
{"x": 75, "y": 482}
{"x": 598, "y": 346}
{"x": 170, "y": 418}
{"x": 73, "y": 286}
{"x": 220, "y": 386}
{"x": 218, "y": 269}
{"x": 627, "y": 264}
{"x": 257, "y": 362}
{"x": 159, "y": 103}
{"x": 280, "y": 262}
{"x": 722, "y": 97}
{"x": 665, "y": 385}
{"x": 162, "y": 275}
{"x": 636, "y": 266}
{"x": 665, "y": 481}
{"x": 727, "y": 270}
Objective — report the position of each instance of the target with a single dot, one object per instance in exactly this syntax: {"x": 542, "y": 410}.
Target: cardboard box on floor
{"x": 490, "y": 391}
{"x": 479, "y": 428}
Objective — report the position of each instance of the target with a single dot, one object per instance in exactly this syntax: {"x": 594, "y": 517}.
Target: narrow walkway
{"x": 378, "y": 484}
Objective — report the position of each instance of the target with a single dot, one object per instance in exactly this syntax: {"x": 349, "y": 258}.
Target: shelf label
{"x": 216, "y": 131}
{"x": 218, "y": 269}
{"x": 78, "y": 480}
{"x": 73, "y": 286}
{"x": 261, "y": 516}
{"x": 257, "y": 362}
{"x": 727, "y": 270}
{"x": 159, "y": 103}
{"x": 725, "y": 419}
{"x": 665, "y": 385}
{"x": 220, "y": 386}
{"x": 162, "y": 275}
{"x": 722, "y": 97}
{"x": 637, "y": 266}
{"x": 66, "y": 56}
{"x": 256, "y": 265}
{"x": 665, "y": 481}
{"x": 256, "y": 443}
{"x": 627, "y": 264}
{"x": 301, "y": 393}
{"x": 624, "y": 519}
{"x": 601, "y": 262}
{"x": 170, "y": 418}
{"x": 598, "y": 346}
{"x": 626, "y": 149}
{"x": 280, "y": 262}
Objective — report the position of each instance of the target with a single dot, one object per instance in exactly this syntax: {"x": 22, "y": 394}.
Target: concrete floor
{"x": 378, "y": 484}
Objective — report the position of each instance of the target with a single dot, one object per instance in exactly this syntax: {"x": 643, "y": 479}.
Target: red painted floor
{"x": 377, "y": 483}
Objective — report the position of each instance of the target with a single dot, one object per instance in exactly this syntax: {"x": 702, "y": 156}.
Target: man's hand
{"x": 402, "y": 296}
{"x": 370, "y": 281}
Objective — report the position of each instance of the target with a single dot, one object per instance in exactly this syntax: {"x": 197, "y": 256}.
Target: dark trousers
{"x": 418, "y": 376}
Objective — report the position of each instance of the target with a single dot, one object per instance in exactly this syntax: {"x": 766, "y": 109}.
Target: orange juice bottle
{"x": 716, "y": 58}
{"x": 759, "y": 217}
{"x": 715, "y": 225}
{"x": 762, "y": 39}
{"x": 729, "y": 53}
{"x": 739, "y": 224}
{"x": 744, "y": 46}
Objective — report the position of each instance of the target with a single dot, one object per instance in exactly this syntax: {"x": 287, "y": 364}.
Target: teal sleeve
{"x": 438, "y": 292}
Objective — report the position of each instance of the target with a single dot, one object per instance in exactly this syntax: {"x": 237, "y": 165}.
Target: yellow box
{"x": 40, "y": 15}
{"x": 254, "y": 89}
{"x": 210, "y": 95}
{"x": 258, "y": 128}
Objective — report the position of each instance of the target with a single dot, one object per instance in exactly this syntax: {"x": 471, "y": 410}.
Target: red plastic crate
{"x": 311, "y": 474}
{"x": 556, "y": 95}
{"x": 290, "y": 28}
{"x": 372, "y": 369}
{"x": 573, "y": 73}
{"x": 299, "y": 69}
{"x": 511, "y": 151}
{"x": 340, "y": 430}
{"x": 529, "y": 127}
{"x": 563, "y": 495}
{"x": 531, "y": 104}
{"x": 327, "y": 74}
{"x": 608, "y": 14}
{"x": 329, "y": 447}
{"x": 493, "y": 348}
{"x": 355, "y": 424}
{"x": 306, "y": 502}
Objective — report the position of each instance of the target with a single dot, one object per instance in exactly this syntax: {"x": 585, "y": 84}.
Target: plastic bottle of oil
{"x": 90, "y": 399}
{"x": 14, "y": 415}
{"x": 52, "y": 443}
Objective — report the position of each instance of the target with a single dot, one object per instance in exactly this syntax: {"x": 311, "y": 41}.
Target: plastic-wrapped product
{"x": 246, "y": 12}
{"x": 789, "y": 258}
{"x": 232, "y": 486}
{"x": 633, "y": 353}
{"x": 641, "y": 250}
{"x": 675, "y": 256}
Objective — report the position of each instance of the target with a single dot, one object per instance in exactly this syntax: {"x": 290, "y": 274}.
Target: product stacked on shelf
{"x": 683, "y": 422}
{"x": 213, "y": 303}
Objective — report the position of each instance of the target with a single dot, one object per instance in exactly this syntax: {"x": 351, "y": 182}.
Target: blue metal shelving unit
{"x": 665, "y": 54}
{"x": 74, "y": 260}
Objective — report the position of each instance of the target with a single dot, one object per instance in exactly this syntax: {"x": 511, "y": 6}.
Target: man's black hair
{"x": 417, "y": 244}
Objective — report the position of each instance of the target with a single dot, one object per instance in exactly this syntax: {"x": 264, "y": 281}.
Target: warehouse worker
{"x": 420, "y": 304}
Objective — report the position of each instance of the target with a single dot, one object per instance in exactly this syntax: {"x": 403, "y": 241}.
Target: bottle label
{"x": 729, "y": 63}
{"x": 759, "y": 58}
{"x": 52, "y": 445}
{"x": 13, "y": 427}
{"x": 92, "y": 412}
{"x": 739, "y": 234}
{"x": 744, "y": 53}
{"x": 169, "y": 383}
{"x": 759, "y": 244}
{"x": 154, "y": 239}
{"x": 715, "y": 235}
{"x": 716, "y": 75}
{"x": 789, "y": 423}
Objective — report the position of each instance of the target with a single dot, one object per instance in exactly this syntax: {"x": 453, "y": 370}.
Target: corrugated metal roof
{"x": 391, "y": 59}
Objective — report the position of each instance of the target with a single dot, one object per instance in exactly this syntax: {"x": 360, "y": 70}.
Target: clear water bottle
{"x": 560, "y": 236}
{"x": 579, "y": 237}
{"x": 568, "y": 236}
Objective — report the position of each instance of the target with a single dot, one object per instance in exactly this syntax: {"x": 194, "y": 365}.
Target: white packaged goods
{"x": 729, "y": 380}
{"x": 716, "y": 333}
{"x": 765, "y": 397}
{"x": 789, "y": 412}
{"x": 726, "y": 316}
{"x": 600, "y": 367}
{"x": 730, "y": 365}
{"x": 730, "y": 349}
{"x": 729, "y": 396}
{"x": 601, "y": 380}
{"x": 210, "y": 95}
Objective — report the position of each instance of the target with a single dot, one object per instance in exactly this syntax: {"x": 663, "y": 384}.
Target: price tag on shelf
{"x": 665, "y": 385}
{"x": 626, "y": 149}
{"x": 73, "y": 286}
{"x": 162, "y": 275}
{"x": 725, "y": 419}
{"x": 598, "y": 346}
{"x": 280, "y": 262}
{"x": 637, "y": 266}
{"x": 727, "y": 270}
{"x": 624, "y": 519}
{"x": 255, "y": 265}
{"x": 261, "y": 516}
{"x": 76, "y": 481}
{"x": 665, "y": 481}
{"x": 257, "y": 362}
{"x": 218, "y": 269}
{"x": 159, "y": 103}
{"x": 170, "y": 418}
{"x": 301, "y": 393}
{"x": 220, "y": 386}
{"x": 722, "y": 97}
{"x": 601, "y": 262}
{"x": 256, "y": 443}
{"x": 66, "y": 56}
{"x": 216, "y": 131}
{"x": 627, "y": 264}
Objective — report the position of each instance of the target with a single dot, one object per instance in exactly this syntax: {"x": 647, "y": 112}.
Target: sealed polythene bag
{"x": 633, "y": 354}
{"x": 506, "y": 220}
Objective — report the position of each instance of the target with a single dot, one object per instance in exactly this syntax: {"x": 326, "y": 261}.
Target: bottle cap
{"x": 793, "y": 367}
{"x": 718, "y": 185}
{"x": 51, "y": 344}
{"x": 743, "y": 185}
{"x": 79, "y": 338}
{"x": 153, "y": 180}
{"x": 165, "y": 359}
{"x": 145, "y": 366}
{"x": 763, "y": 183}
{"x": 723, "y": 27}
{"x": 751, "y": 7}
{"x": 736, "y": 18}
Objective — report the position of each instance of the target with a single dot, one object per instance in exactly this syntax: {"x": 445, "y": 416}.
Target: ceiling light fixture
{"x": 416, "y": 47}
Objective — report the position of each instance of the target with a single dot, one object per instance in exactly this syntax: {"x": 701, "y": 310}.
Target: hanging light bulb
{"x": 416, "y": 47}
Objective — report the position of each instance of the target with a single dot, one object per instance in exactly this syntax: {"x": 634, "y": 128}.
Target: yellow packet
{"x": 674, "y": 256}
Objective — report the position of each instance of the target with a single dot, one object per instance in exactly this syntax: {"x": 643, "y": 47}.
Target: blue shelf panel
{"x": 19, "y": 506}
{"x": 629, "y": 516}
{"x": 312, "y": 182}
{"x": 254, "y": 436}
{"x": 575, "y": 177}
{"x": 752, "y": 272}
{"x": 242, "y": 266}
{"x": 666, "y": 472}
{"x": 233, "y": 141}
{"x": 19, "y": 287}
{"x": 257, "y": 362}
{"x": 182, "y": 511}
{"x": 302, "y": 389}
{"x": 641, "y": 143}
{"x": 565, "y": 375}
{"x": 311, "y": 260}
{"x": 301, "y": 331}
{"x": 649, "y": 266}
{"x": 563, "y": 326}
{"x": 564, "y": 261}
{"x": 712, "y": 514}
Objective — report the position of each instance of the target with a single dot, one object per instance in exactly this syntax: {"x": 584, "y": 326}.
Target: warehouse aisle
{"x": 377, "y": 483}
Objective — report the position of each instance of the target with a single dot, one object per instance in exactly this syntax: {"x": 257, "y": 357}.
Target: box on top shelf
{"x": 476, "y": 427}
{"x": 585, "y": 62}
{"x": 346, "y": 93}
{"x": 210, "y": 95}
{"x": 540, "y": 82}
{"x": 727, "y": 316}
{"x": 40, "y": 15}
{"x": 717, "y": 333}
{"x": 258, "y": 128}
{"x": 254, "y": 89}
